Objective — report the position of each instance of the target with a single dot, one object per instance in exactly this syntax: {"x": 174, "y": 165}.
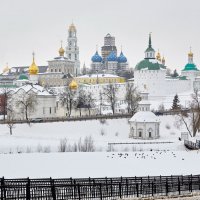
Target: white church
{"x": 144, "y": 124}
{"x": 150, "y": 73}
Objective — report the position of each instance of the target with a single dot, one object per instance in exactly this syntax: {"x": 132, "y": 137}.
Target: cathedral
{"x": 109, "y": 62}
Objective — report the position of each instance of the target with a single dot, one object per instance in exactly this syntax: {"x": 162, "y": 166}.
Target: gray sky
{"x": 39, "y": 25}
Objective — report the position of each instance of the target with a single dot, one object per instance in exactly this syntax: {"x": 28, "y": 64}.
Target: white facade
{"x": 45, "y": 106}
{"x": 144, "y": 124}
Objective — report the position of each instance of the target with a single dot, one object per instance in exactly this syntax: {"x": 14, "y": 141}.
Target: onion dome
{"x": 33, "y": 69}
{"x": 23, "y": 77}
{"x": 112, "y": 57}
{"x": 122, "y": 58}
{"x": 158, "y": 57}
{"x": 190, "y": 66}
{"x": 96, "y": 57}
{"x": 6, "y": 68}
{"x": 73, "y": 85}
{"x": 163, "y": 60}
{"x": 61, "y": 50}
{"x": 72, "y": 28}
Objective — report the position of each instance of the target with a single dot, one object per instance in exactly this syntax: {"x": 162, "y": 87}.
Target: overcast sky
{"x": 40, "y": 25}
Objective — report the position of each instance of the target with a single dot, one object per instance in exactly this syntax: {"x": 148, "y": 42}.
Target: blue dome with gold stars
{"x": 112, "y": 57}
{"x": 122, "y": 58}
{"x": 96, "y": 57}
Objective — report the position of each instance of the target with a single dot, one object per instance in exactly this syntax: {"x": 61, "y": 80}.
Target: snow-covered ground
{"x": 99, "y": 164}
{"x": 33, "y": 138}
{"x": 135, "y": 160}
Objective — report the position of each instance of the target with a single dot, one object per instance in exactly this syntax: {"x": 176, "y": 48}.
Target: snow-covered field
{"x": 135, "y": 160}
{"x": 32, "y": 138}
{"x": 99, "y": 164}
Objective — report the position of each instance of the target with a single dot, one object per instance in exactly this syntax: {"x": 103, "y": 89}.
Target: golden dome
{"x": 73, "y": 85}
{"x": 190, "y": 54}
{"x": 61, "y": 50}
{"x": 158, "y": 57}
{"x": 72, "y": 28}
{"x": 33, "y": 69}
{"x": 6, "y": 68}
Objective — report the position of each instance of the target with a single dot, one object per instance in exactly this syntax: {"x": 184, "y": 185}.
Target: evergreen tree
{"x": 176, "y": 102}
{"x": 175, "y": 74}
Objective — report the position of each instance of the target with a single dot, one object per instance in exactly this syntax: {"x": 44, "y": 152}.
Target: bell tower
{"x": 72, "y": 50}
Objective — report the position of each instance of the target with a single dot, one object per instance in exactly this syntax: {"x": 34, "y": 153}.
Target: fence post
{"x": 53, "y": 191}
{"x": 2, "y": 188}
{"x": 111, "y": 191}
{"x": 191, "y": 184}
{"x": 28, "y": 195}
{"x": 152, "y": 187}
{"x": 100, "y": 191}
{"x": 127, "y": 187}
{"x": 179, "y": 186}
{"x": 137, "y": 189}
{"x": 120, "y": 190}
{"x": 79, "y": 192}
{"x": 167, "y": 189}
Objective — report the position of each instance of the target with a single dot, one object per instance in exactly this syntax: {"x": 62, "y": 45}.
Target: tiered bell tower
{"x": 72, "y": 50}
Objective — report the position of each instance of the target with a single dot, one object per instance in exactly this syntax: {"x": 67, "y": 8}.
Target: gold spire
{"x": 72, "y": 27}
{"x": 73, "y": 85}
{"x": 61, "y": 50}
{"x": 163, "y": 60}
{"x": 33, "y": 69}
{"x": 158, "y": 57}
{"x": 190, "y": 54}
{"x": 6, "y": 68}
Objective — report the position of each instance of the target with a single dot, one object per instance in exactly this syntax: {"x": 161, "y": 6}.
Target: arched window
{"x": 140, "y": 132}
{"x": 150, "y": 130}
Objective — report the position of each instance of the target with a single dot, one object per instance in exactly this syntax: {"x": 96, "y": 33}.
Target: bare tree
{"x": 67, "y": 99}
{"x": 10, "y": 120}
{"x": 27, "y": 102}
{"x": 81, "y": 101}
{"x": 89, "y": 102}
{"x": 191, "y": 117}
{"x": 110, "y": 94}
{"x": 4, "y": 96}
{"x": 132, "y": 98}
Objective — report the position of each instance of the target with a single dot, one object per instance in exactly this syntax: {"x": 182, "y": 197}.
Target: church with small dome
{"x": 109, "y": 62}
{"x": 144, "y": 124}
{"x": 151, "y": 72}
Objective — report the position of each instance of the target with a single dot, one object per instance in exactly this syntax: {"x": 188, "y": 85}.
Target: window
{"x": 43, "y": 110}
{"x": 140, "y": 132}
{"x": 50, "y": 110}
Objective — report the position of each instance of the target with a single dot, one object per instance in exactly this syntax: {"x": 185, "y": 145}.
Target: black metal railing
{"x": 98, "y": 188}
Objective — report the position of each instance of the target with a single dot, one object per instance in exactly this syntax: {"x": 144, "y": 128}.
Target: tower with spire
{"x": 150, "y": 52}
{"x": 72, "y": 49}
{"x": 33, "y": 71}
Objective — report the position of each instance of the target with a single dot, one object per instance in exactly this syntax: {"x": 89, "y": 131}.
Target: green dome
{"x": 150, "y": 65}
{"x": 190, "y": 66}
{"x": 23, "y": 77}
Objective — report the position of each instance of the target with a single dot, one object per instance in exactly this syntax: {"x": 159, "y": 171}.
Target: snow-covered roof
{"x": 99, "y": 76}
{"x": 35, "y": 88}
{"x": 144, "y": 116}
